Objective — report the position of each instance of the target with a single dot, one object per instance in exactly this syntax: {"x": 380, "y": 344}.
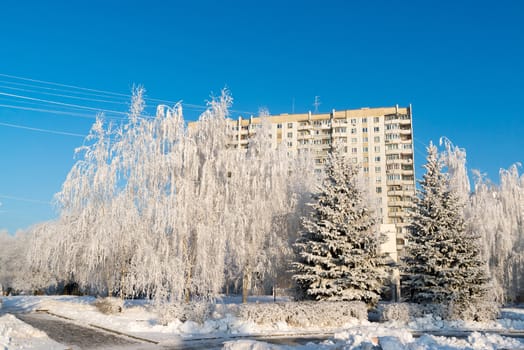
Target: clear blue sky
{"x": 460, "y": 63}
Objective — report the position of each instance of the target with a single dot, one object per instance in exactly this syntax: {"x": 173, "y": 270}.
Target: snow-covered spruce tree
{"x": 443, "y": 263}
{"x": 338, "y": 250}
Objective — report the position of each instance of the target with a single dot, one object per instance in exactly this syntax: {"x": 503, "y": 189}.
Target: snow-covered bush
{"x": 480, "y": 311}
{"x": 196, "y": 311}
{"x": 472, "y": 311}
{"x": 394, "y": 312}
{"x": 304, "y": 314}
{"x": 109, "y": 305}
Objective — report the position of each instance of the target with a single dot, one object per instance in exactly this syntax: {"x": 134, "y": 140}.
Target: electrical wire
{"x": 15, "y": 198}
{"x": 56, "y": 132}
{"x": 79, "y": 89}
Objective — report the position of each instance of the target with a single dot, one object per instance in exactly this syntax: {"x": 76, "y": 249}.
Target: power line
{"x": 85, "y": 93}
{"x": 63, "y": 85}
{"x": 89, "y": 90}
{"x": 60, "y": 103}
{"x": 56, "y": 132}
{"x": 65, "y": 96}
{"x": 24, "y": 199}
{"x": 53, "y": 111}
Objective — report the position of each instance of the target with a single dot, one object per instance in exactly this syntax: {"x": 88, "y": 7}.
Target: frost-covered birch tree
{"x": 454, "y": 159}
{"x": 152, "y": 208}
{"x": 495, "y": 212}
{"x": 265, "y": 185}
{"x": 13, "y": 265}
{"x": 338, "y": 251}
{"x": 498, "y": 215}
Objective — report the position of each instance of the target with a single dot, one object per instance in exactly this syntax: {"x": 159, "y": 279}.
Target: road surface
{"x": 74, "y": 336}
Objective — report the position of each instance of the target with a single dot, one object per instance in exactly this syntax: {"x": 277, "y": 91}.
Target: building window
{"x": 377, "y": 159}
{"x": 365, "y": 139}
{"x": 376, "y": 129}
{"x": 289, "y": 135}
{"x": 353, "y": 140}
{"x": 353, "y": 130}
{"x": 376, "y": 138}
{"x": 289, "y": 125}
{"x": 376, "y": 119}
{"x": 290, "y": 144}
{"x": 365, "y": 149}
{"x": 392, "y": 136}
{"x": 354, "y": 160}
{"x": 377, "y": 149}
{"x": 365, "y": 169}
{"x": 377, "y": 169}
{"x": 279, "y": 126}
{"x": 379, "y": 189}
{"x": 354, "y": 150}
{"x": 364, "y": 129}
{"x": 392, "y": 157}
{"x": 364, "y": 120}
{"x": 353, "y": 121}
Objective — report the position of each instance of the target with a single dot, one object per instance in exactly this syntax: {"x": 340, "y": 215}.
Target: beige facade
{"x": 380, "y": 140}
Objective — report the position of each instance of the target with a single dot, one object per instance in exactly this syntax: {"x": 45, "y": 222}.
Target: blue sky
{"x": 460, "y": 63}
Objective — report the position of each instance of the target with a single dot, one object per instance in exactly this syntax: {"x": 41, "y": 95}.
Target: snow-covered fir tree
{"x": 338, "y": 250}
{"x": 443, "y": 263}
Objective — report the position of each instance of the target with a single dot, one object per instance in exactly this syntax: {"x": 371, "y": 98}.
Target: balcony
{"x": 392, "y": 151}
{"x": 396, "y": 193}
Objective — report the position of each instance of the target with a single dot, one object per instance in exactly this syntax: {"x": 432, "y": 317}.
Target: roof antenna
{"x": 317, "y": 103}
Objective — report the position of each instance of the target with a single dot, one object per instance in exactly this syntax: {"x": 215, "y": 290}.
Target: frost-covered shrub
{"x": 303, "y": 314}
{"x": 404, "y": 312}
{"x": 109, "y": 305}
{"x": 472, "y": 311}
{"x": 394, "y": 312}
{"x": 197, "y": 311}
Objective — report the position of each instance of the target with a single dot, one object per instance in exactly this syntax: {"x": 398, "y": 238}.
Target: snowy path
{"x": 73, "y": 335}
{"x": 218, "y": 343}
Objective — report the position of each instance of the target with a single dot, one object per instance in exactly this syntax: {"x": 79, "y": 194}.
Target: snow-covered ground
{"x": 15, "y": 334}
{"x": 139, "y": 319}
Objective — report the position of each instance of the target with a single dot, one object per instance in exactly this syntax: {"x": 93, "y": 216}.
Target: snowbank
{"x": 139, "y": 318}
{"x": 15, "y": 334}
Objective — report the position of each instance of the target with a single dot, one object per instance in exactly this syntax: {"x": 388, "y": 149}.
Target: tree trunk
{"x": 246, "y": 283}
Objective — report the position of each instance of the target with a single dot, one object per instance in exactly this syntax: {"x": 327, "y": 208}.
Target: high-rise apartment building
{"x": 380, "y": 140}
